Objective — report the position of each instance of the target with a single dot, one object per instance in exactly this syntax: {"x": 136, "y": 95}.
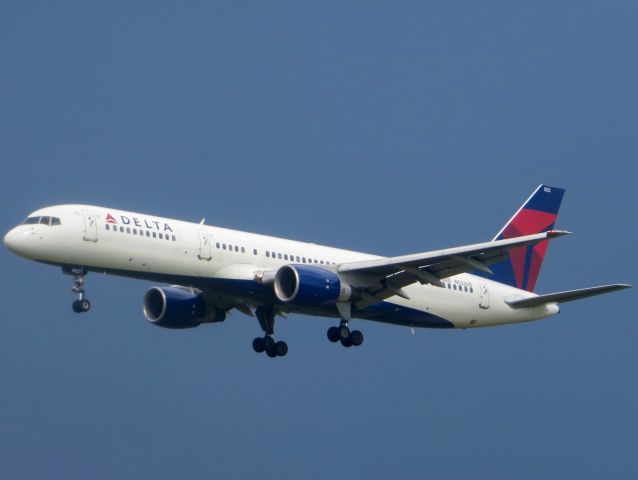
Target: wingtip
{"x": 557, "y": 233}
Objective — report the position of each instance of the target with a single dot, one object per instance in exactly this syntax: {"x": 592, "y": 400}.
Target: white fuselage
{"x": 211, "y": 258}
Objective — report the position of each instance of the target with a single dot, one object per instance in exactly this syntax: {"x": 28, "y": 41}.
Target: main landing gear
{"x": 266, "y": 316}
{"x": 343, "y": 334}
{"x": 82, "y": 304}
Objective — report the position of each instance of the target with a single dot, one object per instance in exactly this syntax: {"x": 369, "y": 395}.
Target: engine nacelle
{"x": 179, "y": 307}
{"x": 309, "y": 285}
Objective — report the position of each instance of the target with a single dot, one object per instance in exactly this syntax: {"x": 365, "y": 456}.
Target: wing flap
{"x": 568, "y": 296}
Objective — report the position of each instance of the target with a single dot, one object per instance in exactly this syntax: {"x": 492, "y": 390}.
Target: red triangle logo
{"x": 110, "y": 219}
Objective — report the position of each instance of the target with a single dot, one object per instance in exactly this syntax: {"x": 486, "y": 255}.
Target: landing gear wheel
{"x": 258, "y": 345}
{"x": 343, "y": 332}
{"x": 346, "y": 342}
{"x": 356, "y": 338}
{"x": 281, "y": 349}
{"x": 77, "y": 306}
{"x": 333, "y": 334}
{"x": 271, "y": 353}
{"x": 269, "y": 344}
{"x": 81, "y": 306}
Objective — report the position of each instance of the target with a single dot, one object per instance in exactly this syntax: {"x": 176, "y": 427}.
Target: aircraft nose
{"x": 11, "y": 240}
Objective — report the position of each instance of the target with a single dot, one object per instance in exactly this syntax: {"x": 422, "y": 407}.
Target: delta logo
{"x": 139, "y": 222}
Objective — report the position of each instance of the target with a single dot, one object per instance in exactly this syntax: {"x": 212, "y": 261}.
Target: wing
{"x": 385, "y": 277}
{"x": 568, "y": 296}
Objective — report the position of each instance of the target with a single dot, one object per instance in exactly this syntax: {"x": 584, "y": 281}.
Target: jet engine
{"x": 308, "y": 285}
{"x": 179, "y": 307}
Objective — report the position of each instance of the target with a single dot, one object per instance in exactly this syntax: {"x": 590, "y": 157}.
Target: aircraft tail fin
{"x": 538, "y": 214}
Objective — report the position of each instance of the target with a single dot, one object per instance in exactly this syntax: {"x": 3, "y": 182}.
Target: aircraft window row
{"x": 231, "y": 248}
{"x": 460, "y": 288}
{"x": 270, "y": 254}
{"x": 296, "y": 258}
{"x": 42, "y": 221}
{"x": 141, "y": 233}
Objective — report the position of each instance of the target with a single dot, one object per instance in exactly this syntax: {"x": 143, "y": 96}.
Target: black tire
{"x": 281, "y": 348}
{"x": 356, "y": 338}
{"x": 258, "y": 345}
{"x": 85, "y": 305}
{"x": 346, "y": 342}
{"x": 333, "y": 334}
{"x": 269, "y": 343}
{"x": 344, "y": 332}
{"x": 271, "y": 353}
{"x": 77, "y": 306}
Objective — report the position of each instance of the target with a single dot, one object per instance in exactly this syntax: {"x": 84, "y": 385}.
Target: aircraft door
{"x": 205, "y": 245}
{"x": 485, "y": 296}
{"x": 90, "y": 225}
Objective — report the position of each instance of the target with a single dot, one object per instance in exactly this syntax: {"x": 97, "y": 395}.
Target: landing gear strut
{"x": 273, "y": 348}
{"x": 343, "y": 334}
{"x": 82, "y": 304}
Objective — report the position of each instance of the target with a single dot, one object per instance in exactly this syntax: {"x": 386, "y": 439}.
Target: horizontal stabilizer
{"x": 565, "y": 296}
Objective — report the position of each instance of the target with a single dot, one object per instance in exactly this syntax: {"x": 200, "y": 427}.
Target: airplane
{"x": 211, "y": 270}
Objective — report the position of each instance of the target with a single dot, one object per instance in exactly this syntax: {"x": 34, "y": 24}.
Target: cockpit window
{"x": 42, "y": 220}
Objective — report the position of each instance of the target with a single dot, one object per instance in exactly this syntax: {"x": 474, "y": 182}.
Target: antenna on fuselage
{"x": 201, "y": 222}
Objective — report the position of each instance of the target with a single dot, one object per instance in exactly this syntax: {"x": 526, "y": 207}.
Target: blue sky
{"x": 388, "y": 127}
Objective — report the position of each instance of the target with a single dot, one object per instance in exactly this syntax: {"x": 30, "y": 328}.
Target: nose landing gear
{"x": 82, "y": 304}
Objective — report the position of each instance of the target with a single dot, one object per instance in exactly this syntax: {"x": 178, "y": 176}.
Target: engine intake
{"x": 310, "y": 286}
{"x": 179, "y": 307}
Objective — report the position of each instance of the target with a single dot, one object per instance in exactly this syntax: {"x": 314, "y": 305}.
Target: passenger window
{"x": 321, "y": 262}
{"x": 161, "y": 236}
{"x": 285, "y": 256}
{"x": 135, "y": 231}
{"x": 254, "y": 251}
{"x": 224, "y": 246}
{"x": 121, "y": 229}
{"x": 267, "y": 253}
{"x": 279, "y": 256}
{"x": 148, "y": 234}
{"x": 107, "y": 226}
{"x": 154, "y": 235}
{"x": 243, "y": 250}
{"x": 298, "y": 259}
{"x": 217, "y": 245}
{"x": 173, "y": 237}
{"x": 236, "y": 248}
{"x": 128, "y": 229}
{"x": 303, "y": 259}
